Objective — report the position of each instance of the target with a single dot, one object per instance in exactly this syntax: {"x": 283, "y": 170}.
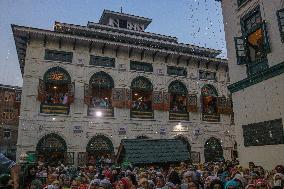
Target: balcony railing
{"x": 54, "y": 108}
{"x": 211, "y": 117}
{"x": 142, "y": 114}
{"x": 178, "y": 115}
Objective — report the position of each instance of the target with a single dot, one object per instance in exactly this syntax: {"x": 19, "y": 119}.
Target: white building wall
{"x": 34, "y": 125}
{"x": 262, "y": 101}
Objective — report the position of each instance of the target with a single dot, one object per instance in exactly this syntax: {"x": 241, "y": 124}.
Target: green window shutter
{"x": 280, "y": 17}
{"x": 241, "y": 51}
{"x": 265, "y": 37}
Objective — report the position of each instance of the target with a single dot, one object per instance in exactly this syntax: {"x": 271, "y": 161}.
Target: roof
{"x": 9, "y": 87}
{"x": 144, "y": 151}
{"x": 107, "y": 13}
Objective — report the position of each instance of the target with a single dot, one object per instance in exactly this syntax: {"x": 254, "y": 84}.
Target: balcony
{"x": 211, "y": 117}
{"x": 178, "y": 115}
{"x": 142, "y": 114}
{"x": 47, "y": 108}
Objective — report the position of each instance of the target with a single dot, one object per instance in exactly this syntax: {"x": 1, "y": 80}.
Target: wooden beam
{"x": 90, "y": 46}
{"x": 116, "y": 51}
{"x": 167, "y": 57}
{"x": 178, "y": 59}
{"x": 29, "y": 38}
{"x": 74, "y": 44}
{"x": 187, "y": 61}
{"x": 217, "y": 66}
{"x": 130, "y": 52}
{"x": 207, "y": 64}
{"x": 154, "y": 55}
{"x": 198, "y": 64}
{"x": 103, "y": 48}
{"x": 60, "y": 42}
{"x": 44, "y": 40}
{"x": 142, "y": 54}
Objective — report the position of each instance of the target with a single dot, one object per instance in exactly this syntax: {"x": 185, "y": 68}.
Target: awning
{"x": 148, "y": 151}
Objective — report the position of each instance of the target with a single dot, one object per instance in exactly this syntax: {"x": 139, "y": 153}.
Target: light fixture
{"x": 53, "y": 118}
{"x": 54, "y": 87}
{"x": 106, "y": 98}
{"x": 135, "y": 94}
{"x": 99, "y": 114}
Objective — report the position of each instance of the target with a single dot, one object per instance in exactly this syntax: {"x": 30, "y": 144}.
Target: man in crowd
{"x": 7, "y": 164}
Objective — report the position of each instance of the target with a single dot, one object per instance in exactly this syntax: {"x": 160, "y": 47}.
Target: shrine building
{"x": 85, "y": 88}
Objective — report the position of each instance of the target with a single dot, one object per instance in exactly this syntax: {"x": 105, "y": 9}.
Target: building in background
{"x": 255, "y": 35}
{"x": 85, "y": 88}
{"x": 10, "y": 100}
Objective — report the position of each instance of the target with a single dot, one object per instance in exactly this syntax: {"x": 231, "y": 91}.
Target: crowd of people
{"x": 101, "y": 102}
{"x": 56, "y": 98}
{"x": 219, "y": 175}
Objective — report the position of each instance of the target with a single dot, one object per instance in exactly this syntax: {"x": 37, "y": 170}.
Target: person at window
{"x": 65, "y": 99}
{"x": 103, "y": 103}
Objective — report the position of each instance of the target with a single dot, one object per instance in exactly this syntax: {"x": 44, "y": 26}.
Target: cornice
{"x": 257, "y": 78}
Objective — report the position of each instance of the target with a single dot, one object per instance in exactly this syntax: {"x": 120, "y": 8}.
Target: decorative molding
{"x": 257, "y": 78}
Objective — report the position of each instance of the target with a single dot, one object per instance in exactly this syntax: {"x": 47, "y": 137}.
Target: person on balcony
{"x": 65, "y": 99}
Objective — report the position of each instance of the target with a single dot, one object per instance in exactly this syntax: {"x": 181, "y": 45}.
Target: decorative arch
{"x": 209, "y": 100}
{"x": 100, "y": 144}
{"x": 141, "y": 83}
{"x": 51, "y": 143}
{"x": 209, "y": 90}
{"x": 177, "y": 87}
{"x": 178, "y": 100}
{"x": 101, "y": 80}
{"x": 213, "y": 150}
{"x": 57, "y": 75}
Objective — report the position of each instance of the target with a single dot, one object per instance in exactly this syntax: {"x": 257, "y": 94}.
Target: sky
{"x": 197, "y": 22}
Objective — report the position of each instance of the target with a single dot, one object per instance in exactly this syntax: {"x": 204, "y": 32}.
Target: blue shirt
{"x": 5, "y": 163}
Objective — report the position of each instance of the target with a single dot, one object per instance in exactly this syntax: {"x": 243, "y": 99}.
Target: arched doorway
{"x": 178, "y": 105}
{"x": 209, "y": 104}
{"x": 142, "y": 89}
{"x": 99, "y": 148}
{"x": 51, "y": 149}
{"x": 55, "y": 91}
{"x": 101, "y": 85}
{"x": 213, "y": 150}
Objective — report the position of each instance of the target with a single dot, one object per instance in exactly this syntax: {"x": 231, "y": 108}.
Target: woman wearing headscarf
{"x": 278, "y": 180}
{"x": 216, "y": 184}
{"x": 232, "y": 184}
{"x": 262, "y": 184}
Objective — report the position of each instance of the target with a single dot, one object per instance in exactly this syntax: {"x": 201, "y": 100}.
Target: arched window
{"x": 142, "y": 96}
{"x": 209, "y": 103}
{"x": 101, "y": 84}
{"x": 178, "y": 94}
{"x": 56, "y": 86}
{"x": 51, "y": 148}
{"x": 99, "y": 148}
{"x": 213, "y": 150}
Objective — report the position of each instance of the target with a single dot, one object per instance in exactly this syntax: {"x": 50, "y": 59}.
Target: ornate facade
{"x": 254, "y": 34}
{"x": 88, "y": 87}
